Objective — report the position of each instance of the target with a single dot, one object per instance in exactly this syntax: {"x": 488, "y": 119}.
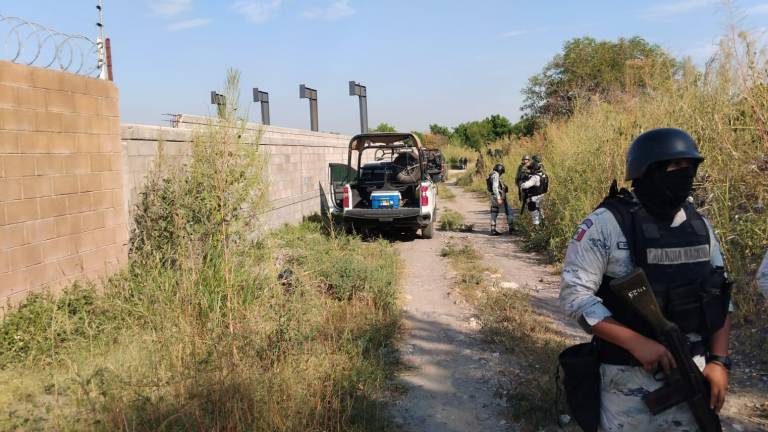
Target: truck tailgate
{"x": 382, "y": 214}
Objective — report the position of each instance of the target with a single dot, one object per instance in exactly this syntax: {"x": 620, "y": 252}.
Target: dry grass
{"x": 508, "y": 319}
{"x": 724, "y": 107}
{"x": 444, "y": 192}
{"x": 212, "y": 325}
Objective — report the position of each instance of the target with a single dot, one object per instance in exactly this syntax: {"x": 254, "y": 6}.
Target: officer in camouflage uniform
{"x": 522, "y": 175}
{"x": 680, "y": 254}
{"x": 762, "y": 277}
{"x": 498, "y": 191}
{"x": 533, "y": 193}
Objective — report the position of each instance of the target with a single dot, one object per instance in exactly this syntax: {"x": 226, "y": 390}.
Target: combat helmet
{"x": 659, "y": 145}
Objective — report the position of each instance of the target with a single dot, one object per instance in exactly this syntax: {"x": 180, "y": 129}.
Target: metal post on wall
{"x": 263, "y": 98}
{"x": 101, "y": 44}
{"x": 108, "y": 48}
{"x": 359, "y": 90}
{"x": 311, "y": 94}
{"x": 220, "y": 101}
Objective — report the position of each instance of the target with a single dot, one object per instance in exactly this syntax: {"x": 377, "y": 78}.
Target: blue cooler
{"x": 385, "y": 200}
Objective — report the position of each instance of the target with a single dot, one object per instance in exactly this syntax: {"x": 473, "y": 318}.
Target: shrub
{"x": 213, "y": 325}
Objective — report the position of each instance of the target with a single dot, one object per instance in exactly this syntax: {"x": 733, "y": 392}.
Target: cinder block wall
{"x": 297, "y": 163}
{"x": 62, "y": 213}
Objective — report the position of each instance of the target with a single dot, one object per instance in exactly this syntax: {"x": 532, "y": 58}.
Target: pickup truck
{"x": 384, "y": 186}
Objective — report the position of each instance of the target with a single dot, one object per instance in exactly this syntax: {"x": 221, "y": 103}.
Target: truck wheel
{"x": 428, "y": 231}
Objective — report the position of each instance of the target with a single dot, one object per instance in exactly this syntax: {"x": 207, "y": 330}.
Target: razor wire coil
{"x": 34, "y": 44}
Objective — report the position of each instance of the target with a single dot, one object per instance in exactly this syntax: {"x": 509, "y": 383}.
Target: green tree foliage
{"x": 476, "y": 134}
{"x": 384, "y": 127}
{"x": 588, "y": 68}
{"x": 526, "y": 126}
{"x": 436, "y": 129}
{"x": 500, "y": 126}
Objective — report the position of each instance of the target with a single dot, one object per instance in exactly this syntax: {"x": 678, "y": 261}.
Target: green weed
{"x": 213, "y": 324}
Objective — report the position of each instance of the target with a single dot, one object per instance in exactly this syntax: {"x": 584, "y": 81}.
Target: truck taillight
{"x": 345, "y": 200}
{"x": 424, "y": 196}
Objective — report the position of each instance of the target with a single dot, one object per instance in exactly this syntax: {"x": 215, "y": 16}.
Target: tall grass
{"x": 213, "y": 325}
{"x": 508, "y": 319}
{"x": 724, "y": 107}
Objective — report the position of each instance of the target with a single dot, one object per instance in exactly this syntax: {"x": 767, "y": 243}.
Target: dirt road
{"x": 453, "y": 373}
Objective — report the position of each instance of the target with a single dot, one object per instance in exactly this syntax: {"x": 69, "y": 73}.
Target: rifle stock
{"x": 686, "y": 383}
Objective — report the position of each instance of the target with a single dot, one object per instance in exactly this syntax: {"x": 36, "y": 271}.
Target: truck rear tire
{"x": 428, "y": 231}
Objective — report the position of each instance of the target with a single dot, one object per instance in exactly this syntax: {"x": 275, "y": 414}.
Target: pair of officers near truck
{"x": 532, "y": 183}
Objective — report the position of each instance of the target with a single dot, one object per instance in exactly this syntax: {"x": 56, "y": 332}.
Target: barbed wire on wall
{"x": 34, "y": 44}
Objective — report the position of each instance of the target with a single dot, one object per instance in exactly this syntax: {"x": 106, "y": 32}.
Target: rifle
{"x": 523, "y": 199}
{"x": 685, "y": 383}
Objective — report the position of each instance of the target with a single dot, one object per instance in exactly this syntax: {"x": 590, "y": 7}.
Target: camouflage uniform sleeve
{"x": 531, "y": 182}
{"x": 586, "y": 261}
{"x": 495, "y": 185}
{"x": 762, "y": 277}
{"x": 716, "y": 254}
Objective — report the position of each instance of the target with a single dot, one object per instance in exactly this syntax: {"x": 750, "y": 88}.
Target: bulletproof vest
{"x": 691, "y": 292}
{"x": 536, "y": 190}
{"x": 489, "y": 184}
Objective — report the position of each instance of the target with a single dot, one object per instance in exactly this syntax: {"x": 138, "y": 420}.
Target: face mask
{"x": 663, "y": 192}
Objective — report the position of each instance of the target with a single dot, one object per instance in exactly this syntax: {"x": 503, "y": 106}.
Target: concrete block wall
{"x": 62, "y": 206}
{"x": 297, "y": 162}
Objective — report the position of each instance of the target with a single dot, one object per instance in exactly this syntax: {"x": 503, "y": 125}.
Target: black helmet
{"x": 499, "y": 168}
{"x": 534, "y": 167}
{"x": 658, "y": 145}
{"x": 537, "y": 158}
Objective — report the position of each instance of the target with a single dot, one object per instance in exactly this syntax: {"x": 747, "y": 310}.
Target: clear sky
{"x": 423, "y": 61}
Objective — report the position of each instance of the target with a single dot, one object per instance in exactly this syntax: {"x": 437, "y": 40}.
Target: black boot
{"x": 494, "y": 232}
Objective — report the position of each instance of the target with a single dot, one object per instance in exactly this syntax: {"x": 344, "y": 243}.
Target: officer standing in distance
{"x": 533, "y": 190}
{"x": 762, "y": 277}
{"x": 522, "y": 175}
{"x": 498, "y": 191}
{"x": 678, "y": 250}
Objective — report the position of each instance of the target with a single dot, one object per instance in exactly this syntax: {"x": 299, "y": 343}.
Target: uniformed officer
{"x": 498, "y": 191}
{"x": 762, "y": 277}
{"x": 533, "y": 190}
{"x": 522, "y": 175}
{"x": 678, "y": 250}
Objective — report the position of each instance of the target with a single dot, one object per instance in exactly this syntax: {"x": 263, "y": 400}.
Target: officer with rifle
{"x": 521, "y": 176}
{"x": 644, "y": 274}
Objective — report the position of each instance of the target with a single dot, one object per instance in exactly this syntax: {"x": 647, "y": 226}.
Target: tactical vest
{"x": 541, "y": 188}
{"x": 489, "y": 185}
{"x": 691, "y": 292}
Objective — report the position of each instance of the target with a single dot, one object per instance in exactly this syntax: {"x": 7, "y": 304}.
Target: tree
{"x": 526, "y": 126}
{"x": 500, "y": 126}
{"x": 473, "y": 134}
{"x": 476, "y": 134}
{"x": 436, "y": 129}
{"x": 384, "y": 127}
{"x": 588, "y": 68}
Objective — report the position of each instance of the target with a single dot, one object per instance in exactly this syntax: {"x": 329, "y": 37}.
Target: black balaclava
{"x": 661, "y": 192}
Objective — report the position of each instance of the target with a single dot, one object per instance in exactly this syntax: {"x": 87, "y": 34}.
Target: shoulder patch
{"x": 582, "y": 229}
{"x": 622, "y": 245}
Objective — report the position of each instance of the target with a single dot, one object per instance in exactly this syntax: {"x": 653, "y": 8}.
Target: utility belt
{"x": 581, "y": 376}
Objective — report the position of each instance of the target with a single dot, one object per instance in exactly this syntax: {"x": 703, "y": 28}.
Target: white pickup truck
{"x": 384, "y": 186}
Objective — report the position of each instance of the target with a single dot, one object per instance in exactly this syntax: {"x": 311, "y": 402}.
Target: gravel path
{"x": 452, "y": 373}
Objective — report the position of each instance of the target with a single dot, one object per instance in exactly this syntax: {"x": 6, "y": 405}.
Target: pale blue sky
{"x": 424, "y": 61}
